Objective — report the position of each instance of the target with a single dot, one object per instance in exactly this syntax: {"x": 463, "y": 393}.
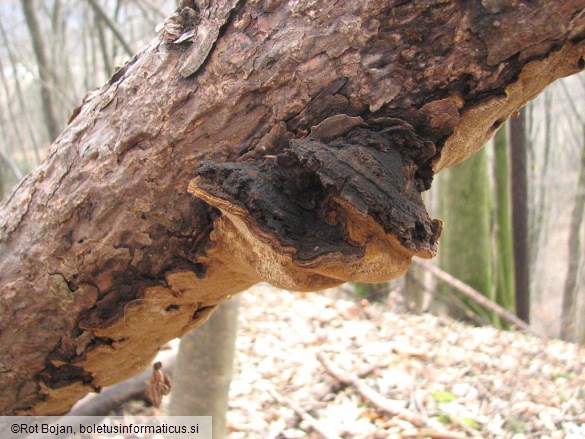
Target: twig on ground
{"x": 390, "y": 407}
{"x": 434, "y": 434}
{"x": 460, "y": 423}
{"x": 314, "y": 423}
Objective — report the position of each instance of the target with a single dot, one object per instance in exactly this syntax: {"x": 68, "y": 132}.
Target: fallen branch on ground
{"x": 114, "y": 396}
{"x": 434, "y": 434}
{"x": 305, "y": 416}
{"x": 390, "y": 407}
{"x": 474, "y": 295}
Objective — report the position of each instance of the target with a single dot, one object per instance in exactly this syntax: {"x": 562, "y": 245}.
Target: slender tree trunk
{"x": 4, "y": 156}
{"x": 19, "y": 94}
{"x": 466, "y": 249}
{"x": 203, "y": 373}
{"x": 103, "y": 47}
{"x": 89, "y": 55}
{"x": 414, "y": 288}
{"x": 145, "y": 7}
{"x": 520, "y": 214}
{"x": 6, "y": 163}
{"x": 278, "y": 140}
{"x": 504, "y": 260}
{"x": 115, "y": 42}
{"x": 45, "y": 75}
{"x": 18, "y": 140}
{"x": 112, "y": 26}
{"x": 569, "y": 329}
{"x": 538, "y": 226}
{"x": 62, "y": 59}
{"x": 158, "y": 13}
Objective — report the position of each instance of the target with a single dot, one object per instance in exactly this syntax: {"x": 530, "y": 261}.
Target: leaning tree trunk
{"x": 276, "y": 140}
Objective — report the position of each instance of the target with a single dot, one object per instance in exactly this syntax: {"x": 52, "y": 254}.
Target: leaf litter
{"x": 399, "y": 375}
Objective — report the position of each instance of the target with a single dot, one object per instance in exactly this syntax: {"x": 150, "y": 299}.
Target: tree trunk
{"x": 504, "y": 261}
{"x": 46, "y": 78}
{"x": 106, "y": 56}
{"x": 539, "y": 175}
{"x": 519, "y": 169}
{"x": 414, "y": 289}
{"x": 275, "y": 140}
{"x": 1, "y": 177}
{"x": 18, "y": 139}
{"x": 20, "y": 96}
{"x": 203, "y": 373}
{"x": 111, "y": 25}
{"x": 466, "y": 248}
{"x": 569, "y": 329}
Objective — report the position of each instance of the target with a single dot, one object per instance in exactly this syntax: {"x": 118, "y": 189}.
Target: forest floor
{"x": 312, "y": 365}
{"x": 403, "y": 375}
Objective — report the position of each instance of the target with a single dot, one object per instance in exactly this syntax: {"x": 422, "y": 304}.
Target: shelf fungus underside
{"x": 340, "y": 204}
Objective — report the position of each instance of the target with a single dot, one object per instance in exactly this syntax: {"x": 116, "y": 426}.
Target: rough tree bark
{"x": 270, "y": 140}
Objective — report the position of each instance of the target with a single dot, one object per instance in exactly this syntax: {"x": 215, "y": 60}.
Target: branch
{"x": 113, "y": 27}
{"x": 474, "y": 295}
{"x": 110, "y": 398}
{"x": 434, "y": 434}
{"x": 305, "y": 416}
{"x": 277, "y": 141}
{"x": 46, "y": 75}
{"x": 11, "y": 165}
{"x": 388, "y": 406}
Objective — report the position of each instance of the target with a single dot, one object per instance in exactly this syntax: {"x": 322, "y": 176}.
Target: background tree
{"x": 504, "y": 255}
{"x": 204, "y": 368}
{"x": 45, "y": 74}
{"x": 569, "y": 328}
{"x": 519, "y": 168}
{"x": 466, "y": 249}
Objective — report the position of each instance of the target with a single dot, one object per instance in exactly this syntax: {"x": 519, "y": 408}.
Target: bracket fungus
{"x": 342, "y": 203}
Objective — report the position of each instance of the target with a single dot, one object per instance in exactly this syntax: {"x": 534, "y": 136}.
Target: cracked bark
{"x": 291, "y": 147}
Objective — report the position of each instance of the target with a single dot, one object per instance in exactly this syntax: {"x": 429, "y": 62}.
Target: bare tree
{"x": 466, "y": 250}
{"x": 504, "y": 242}
{"x": 538, "y": 176}
{"x": 569, "y": 329}
{"x": 106, "y": 55}
{"x": 20, "y": 95}
{"x": 204, "y": 368}
{"x": 282, "y": 141}
{"x": 46, "y": 77}
{"x": 18, "y": 137}
{"x": 519, "y": 169}
{"x": 112, "y": 26}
